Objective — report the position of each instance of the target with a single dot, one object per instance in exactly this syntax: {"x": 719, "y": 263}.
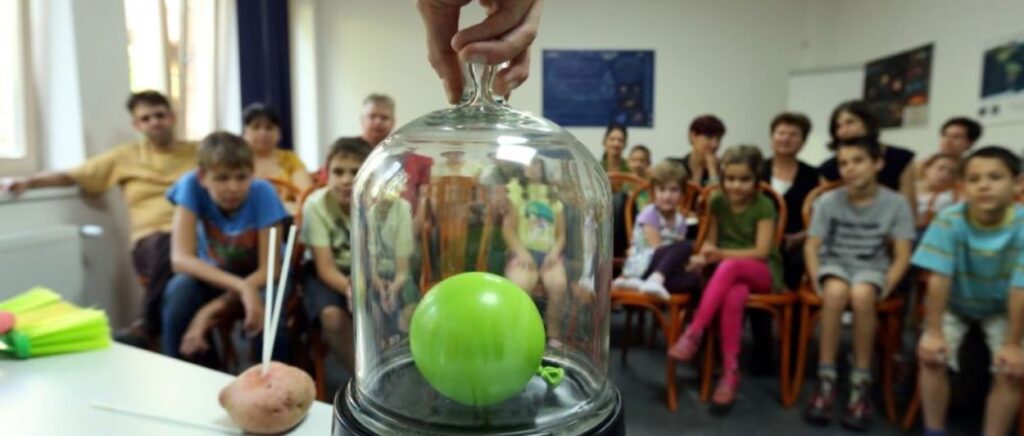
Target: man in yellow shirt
{"x": 144, "y": 170}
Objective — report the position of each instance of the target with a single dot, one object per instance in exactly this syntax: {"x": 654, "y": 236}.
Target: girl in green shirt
{"x": 739, "y": 240}
{"x": 534, "y": 232}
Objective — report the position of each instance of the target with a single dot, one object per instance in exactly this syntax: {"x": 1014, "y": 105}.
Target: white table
{"x": 54, "y": 395}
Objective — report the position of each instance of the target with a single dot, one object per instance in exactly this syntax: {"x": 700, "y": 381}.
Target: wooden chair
{"x": 687, "y": 207}
{"x": 635, "y": 186}
{"x": 287, "y": 192}
{"x": 449, "y": 225}
{"x": 889, "y": 310}
{"x": 624, "y": 181}
{"x": 457, "y": 193}
{"x": 668, "y": 315}
{"x": 780, "y": 305}
{"x": 297, "y": 319}
{"x": 930, "y": 212}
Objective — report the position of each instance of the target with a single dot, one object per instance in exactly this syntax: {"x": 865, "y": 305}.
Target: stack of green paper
{"x": 45, "y": 324}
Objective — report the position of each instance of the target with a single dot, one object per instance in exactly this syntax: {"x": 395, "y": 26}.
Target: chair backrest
{"x": 690, "y": 198}
{"x": 813, "y": 195}
{"x": 285, "y": 188}
{"x": 630, "y": 208}
{"x": 297, "y": 221}
{"x": 450, "y": 226}
{"x": 624, "y": 181}
{"x": 930, "y": 211}
{"x": 686, "y": 204}
{"x": 765, "y": 188}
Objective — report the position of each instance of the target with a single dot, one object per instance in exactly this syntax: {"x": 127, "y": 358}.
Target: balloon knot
{"x": 552, "y": 375}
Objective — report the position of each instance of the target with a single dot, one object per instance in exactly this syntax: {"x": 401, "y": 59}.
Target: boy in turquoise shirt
{"x": 975, "y": 254}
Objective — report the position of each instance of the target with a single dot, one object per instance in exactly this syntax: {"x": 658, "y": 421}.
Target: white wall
{"x": 852, "y": 32}
{"x": 727, "y": 58}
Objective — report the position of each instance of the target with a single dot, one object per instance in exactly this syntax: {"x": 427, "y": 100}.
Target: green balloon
{"x": 477, "y": 338}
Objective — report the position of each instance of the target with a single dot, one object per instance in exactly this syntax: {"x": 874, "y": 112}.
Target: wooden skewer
{"x": 268, "y": 298}
{"x": 282, "y": 283}
{"x": 158, "y": 417}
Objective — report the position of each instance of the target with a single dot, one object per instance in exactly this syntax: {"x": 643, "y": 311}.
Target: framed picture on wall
{"x": 896, "y": 87}
{"x": 593, "y": 88}
{"x": 1002, "y": 81}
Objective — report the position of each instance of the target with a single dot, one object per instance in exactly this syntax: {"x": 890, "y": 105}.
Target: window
{"x": 16, "y": 156}
{"x": 173, "y": 48}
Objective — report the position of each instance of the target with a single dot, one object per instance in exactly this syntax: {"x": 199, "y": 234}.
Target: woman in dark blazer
{"x": 793, "y": 179}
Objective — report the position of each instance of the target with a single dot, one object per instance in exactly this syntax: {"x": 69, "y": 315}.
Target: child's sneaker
{"x": 627, "y": 283}
{"x": 819, "y": 409}
{"x": 655, "y": 288}
{"x": 858, "y": 411}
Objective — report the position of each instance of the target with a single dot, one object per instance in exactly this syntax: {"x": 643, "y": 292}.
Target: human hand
{"x": 711, "y": 163}
{"x": 388, "y": 302}
{"x": 395, "y": 287}
{"x": 794, "y": 240}
{"x": 552, "y": 259}
{"x": 377, "y": 283}
{"x": 194, "y": 342}
{"x": 504, "y": 36}
{"x": 697, "y": 262}
{"x": 13, "y": 185}
{"x": 1009, "y": 360}
{"x": 253, "y": 304}
{"x": 712, "y": 255}
{"x": 931, "y": 349}
{"x": 524, "y": 260}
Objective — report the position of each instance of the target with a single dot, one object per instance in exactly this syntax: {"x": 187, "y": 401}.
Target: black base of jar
{"x": 346, "y": 424}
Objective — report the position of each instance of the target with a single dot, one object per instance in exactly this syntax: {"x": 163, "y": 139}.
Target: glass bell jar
{"x": 481, "y": 269}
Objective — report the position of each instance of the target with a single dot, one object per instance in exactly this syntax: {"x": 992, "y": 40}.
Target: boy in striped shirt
{"x": 975, "y": 254}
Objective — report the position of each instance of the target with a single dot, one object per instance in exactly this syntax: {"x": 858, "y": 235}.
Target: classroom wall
{"x": 729, "y": 58}
{"x": 854, "y": 32}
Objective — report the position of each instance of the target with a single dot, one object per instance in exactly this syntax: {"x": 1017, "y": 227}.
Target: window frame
{"x": 180, "y": 71}
{"x": 24, "y": 108}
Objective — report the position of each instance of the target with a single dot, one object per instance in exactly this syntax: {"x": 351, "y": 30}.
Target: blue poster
{"x": 593, "y": 88}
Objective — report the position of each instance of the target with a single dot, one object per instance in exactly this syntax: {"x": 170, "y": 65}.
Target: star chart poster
{"x": 597, "y": 87}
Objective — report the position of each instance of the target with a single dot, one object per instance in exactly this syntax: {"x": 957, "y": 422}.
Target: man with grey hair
{"x": 377, "y": 119}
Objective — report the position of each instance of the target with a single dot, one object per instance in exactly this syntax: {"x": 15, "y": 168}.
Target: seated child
{"x": 219, "y": 240}
{"x": 740, "y": 240}
{"x": 391, "y": 249}
{"x": 326, "y": 231}
{"x": 975, "y": 254}
{"x": 936, "y": 190}
{"x": 656, "y": 261}
{"x": 639, "y": 161}
{"x": 848, "y": 258}
{"x": 534, "y": 232}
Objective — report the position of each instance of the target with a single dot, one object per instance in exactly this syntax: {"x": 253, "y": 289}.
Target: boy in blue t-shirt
{"x": 219, "y": 239}
{"x": 975, "y": 254}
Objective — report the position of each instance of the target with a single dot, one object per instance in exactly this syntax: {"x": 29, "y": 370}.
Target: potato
{"x": 268, "y": 404}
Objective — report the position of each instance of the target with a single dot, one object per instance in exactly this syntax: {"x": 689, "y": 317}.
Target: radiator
{"x": 50, "y": 257}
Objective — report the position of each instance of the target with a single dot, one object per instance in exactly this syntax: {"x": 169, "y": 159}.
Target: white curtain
{"x": 211, "y": 85}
